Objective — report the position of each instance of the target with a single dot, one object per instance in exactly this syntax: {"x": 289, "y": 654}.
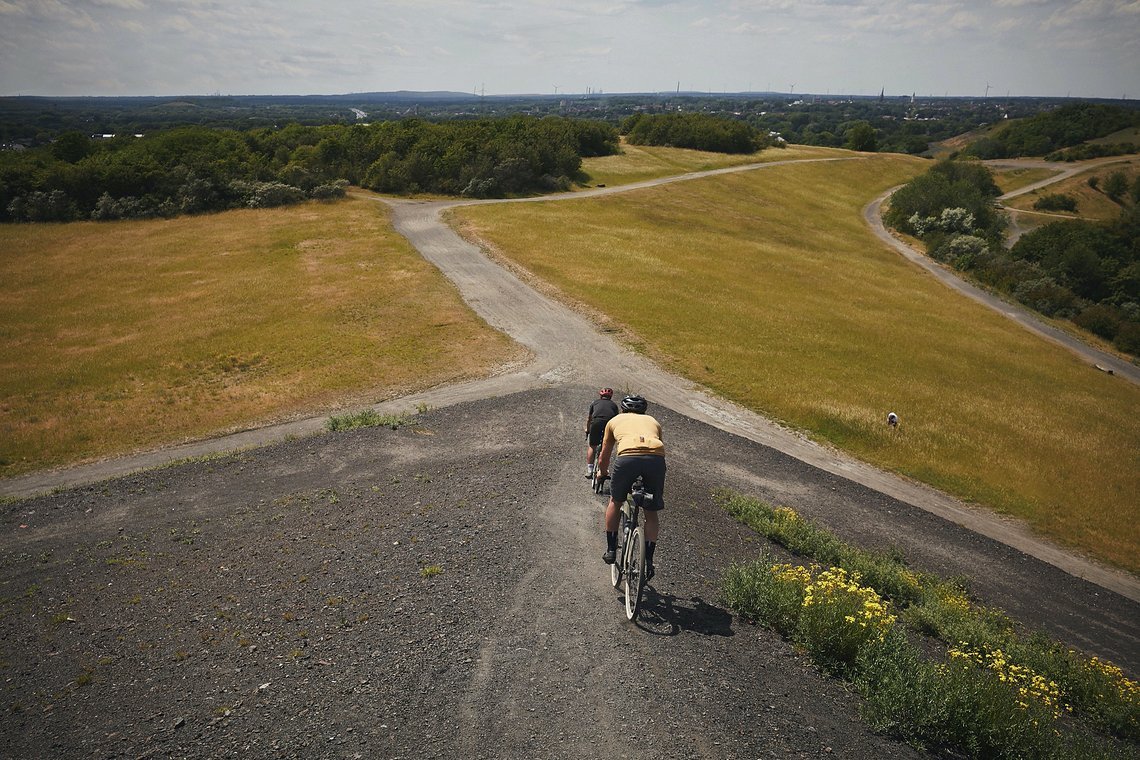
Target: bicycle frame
{"x": 629, "y": 564}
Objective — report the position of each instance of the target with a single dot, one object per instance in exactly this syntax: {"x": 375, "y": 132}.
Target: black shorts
{"x": 597, "y": 430}
{"x": 652, "y": 470}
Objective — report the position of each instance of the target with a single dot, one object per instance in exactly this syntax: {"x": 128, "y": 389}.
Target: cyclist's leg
{"x": 652, "y": 525}
{"x": 611, "y": 516}
{"x": 653, "y": 471}
{"x": 621, "y": 479}
{"x": 593, "y": 441}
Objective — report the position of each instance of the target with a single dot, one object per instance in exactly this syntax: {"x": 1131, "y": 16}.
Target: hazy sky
{"x": 1089, "y": 48}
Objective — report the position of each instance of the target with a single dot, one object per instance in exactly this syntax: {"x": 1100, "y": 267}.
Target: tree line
{"x": 1052, "y": 132}
{"x": 1086, "y": 272}
{"x": 696, "y": 131}
{"x": 198, "y": 169}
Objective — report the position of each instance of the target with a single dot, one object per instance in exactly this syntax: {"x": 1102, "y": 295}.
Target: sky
{"x": 1088, "y": 48}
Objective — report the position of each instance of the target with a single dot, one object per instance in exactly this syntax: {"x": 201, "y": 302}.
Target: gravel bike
{"x": 629, "y": 568}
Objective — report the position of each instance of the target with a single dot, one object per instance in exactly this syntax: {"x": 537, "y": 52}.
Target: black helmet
{"x": 635, "y": 404}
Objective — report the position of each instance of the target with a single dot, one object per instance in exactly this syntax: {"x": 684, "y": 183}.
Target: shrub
{"x": 772, "y": 594}
{"x": 1100, "y": 319}
{"x": 1116, "y": 185}
{"x": 1056, "y": 202}
{"x": 839, "y": 617}
{"x": 1128, "y": 338}
{"x": 366, "y": 418}
{"x": 1014, "y": 686}
{"x": 329, "y": 191}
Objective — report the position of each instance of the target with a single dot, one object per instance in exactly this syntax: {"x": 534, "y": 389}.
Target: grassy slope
{"x": 1091, "y": 204}
{"x": 1013, "y": 179}
{"x": 124, "y": 335}
{"x": 767, "y": 287}
{"x": 641, "y": 162}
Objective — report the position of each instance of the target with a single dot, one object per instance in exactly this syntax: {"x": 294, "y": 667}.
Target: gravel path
{"x": 436, "y": 590}
{"x": 285, "y": 602}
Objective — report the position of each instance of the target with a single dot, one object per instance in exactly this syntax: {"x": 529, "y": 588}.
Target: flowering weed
{"x": 998, "y": 694}
{"x": 839, "y": 617}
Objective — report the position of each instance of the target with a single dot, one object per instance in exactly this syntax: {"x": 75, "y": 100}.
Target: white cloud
{"x": 266, "y": 46}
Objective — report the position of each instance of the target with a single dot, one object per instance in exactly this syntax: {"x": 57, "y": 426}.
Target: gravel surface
{"x": 437, "y": 591}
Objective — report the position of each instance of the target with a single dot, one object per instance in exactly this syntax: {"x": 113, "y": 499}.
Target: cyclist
{"x": 601, "y": 411}
{"x": 634, "y": 439}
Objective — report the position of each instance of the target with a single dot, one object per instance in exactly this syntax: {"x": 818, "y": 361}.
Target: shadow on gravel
{"x": 665, "y": 615}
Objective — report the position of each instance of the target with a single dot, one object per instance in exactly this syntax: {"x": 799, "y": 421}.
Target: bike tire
{"x": 619, "y": 560}
{"x": 635, "y": 573}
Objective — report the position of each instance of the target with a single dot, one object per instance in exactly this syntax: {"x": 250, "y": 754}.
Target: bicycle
{"x": 628, "y": 568}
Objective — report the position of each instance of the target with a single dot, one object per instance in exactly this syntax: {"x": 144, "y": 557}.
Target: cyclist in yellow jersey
{"x": 633, "y": 438}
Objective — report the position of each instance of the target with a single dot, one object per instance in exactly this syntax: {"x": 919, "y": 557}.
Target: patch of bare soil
{"x": 437, "y": 591}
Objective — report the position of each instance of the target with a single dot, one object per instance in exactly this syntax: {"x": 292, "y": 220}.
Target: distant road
{"x": 1064, "y": 169}
{"x": 1027, "y": 319}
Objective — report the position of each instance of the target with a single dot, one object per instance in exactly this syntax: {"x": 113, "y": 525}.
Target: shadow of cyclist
{"x": 665, "y": 615}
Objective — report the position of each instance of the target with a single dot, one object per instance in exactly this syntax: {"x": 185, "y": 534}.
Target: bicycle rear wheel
{"x": 634, "y": 573}
{"x": 619, "y": 558}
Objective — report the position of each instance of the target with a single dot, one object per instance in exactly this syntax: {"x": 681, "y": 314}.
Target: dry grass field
{"x": 1014, "y": 179}
{"x": 128, "y": 335}
{"x": 637, "y": 163}
{"x": 767, "y": 287}
{"x": 1091, "y": 204}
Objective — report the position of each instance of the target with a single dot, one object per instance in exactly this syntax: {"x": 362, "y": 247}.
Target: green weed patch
{"x": 993, "y": 692}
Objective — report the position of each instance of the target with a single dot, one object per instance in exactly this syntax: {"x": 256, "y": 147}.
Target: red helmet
{"x": 606, "y": 392}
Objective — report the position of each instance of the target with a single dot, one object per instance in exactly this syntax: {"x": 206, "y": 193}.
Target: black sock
{"x": 649, "y": 547}
{"x": 611, "y": 540}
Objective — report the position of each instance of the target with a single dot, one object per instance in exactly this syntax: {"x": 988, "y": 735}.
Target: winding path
{"x": 569, "y": 349}
{"x": 1027, "y": 319}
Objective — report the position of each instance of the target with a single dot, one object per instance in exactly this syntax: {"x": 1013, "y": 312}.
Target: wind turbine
{"x": 987, "y": 89}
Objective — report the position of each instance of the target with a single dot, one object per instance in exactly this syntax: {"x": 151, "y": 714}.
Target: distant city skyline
{"x": 1048, "y": 48}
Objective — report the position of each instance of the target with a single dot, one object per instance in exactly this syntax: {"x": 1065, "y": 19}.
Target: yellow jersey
{"x": 632, "y": 434}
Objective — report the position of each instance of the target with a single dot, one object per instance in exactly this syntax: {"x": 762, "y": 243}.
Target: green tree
{"x": 71, "y": 147}
{"x": 1116, "y": 185}
{"x": 861, "y": 136}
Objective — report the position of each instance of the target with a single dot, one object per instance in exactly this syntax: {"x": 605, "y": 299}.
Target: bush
{"x": 329, "y": 191}
{"x": 1015, "y": 687}
{"x": 1116, "y": 185}
{"x": 839, "y": 618}
{"x": 1128, "y": 338}
{"x": 1056, "y": 202}
{"x": 771, "y": 594}
{"x": 1100, "y": 319}
{"x": 1045, "y": 295}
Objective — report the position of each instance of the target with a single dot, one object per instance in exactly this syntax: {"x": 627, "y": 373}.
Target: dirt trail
{"x": 437, "y": 590}
{"x": 569, "y": 348}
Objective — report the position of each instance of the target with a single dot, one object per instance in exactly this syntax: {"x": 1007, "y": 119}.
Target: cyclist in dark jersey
{"x": 601, "y": 411}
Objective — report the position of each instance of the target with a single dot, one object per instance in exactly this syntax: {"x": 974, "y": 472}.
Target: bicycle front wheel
{"x": 634, "y": 573}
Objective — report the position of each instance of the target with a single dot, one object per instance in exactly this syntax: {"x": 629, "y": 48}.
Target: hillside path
{"x": 436, "y": 590}
{"x": 1098, "y": 360}
{"x": 569, "y": 348}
